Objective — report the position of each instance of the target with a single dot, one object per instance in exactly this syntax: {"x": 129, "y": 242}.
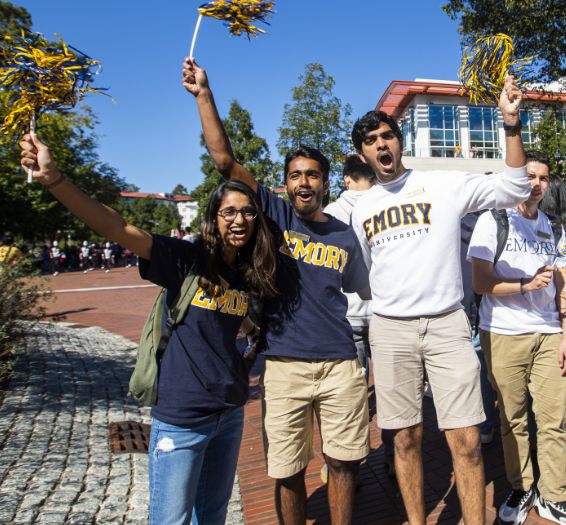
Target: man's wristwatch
{"x": 513, "y": 128}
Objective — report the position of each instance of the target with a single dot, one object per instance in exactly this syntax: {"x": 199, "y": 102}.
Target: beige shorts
{"x": 402, "y": 348}
{"x": 295, "y": 390}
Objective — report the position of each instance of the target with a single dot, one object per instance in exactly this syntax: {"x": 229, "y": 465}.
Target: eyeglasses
{"x": 230, "y": 214}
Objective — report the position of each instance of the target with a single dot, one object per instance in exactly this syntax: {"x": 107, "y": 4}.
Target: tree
{"x": 317, "y": 118}
{"x": 28, "y": 212}
{"x": 536, "y": 26}
{"x": 31, "y": 213}
{"x": 250, "y": 150}
{"x": 150, "y": 215}
{"x": 13, "y": 20}
{"x": 551, "y": 140}
{"x": 180, "y": 190}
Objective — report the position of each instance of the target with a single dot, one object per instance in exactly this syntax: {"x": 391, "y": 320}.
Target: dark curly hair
{"x": 308, "y": 153}
{"x": 537, "y": 156}
{"x": 256, "y": 260}
{"x": 370, "y": 121}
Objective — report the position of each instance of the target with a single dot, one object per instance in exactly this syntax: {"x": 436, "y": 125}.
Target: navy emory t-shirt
{"x": 201, "y": 371}
{"x": 316, "y": 261}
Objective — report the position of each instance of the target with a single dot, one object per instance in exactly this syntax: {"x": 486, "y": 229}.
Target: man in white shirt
{"x": 409, "y": 228}
{"x": 521, "y": 335}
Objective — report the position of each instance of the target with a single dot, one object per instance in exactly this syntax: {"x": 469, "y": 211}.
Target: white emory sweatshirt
{"x": 409, "y": 230}
{"x": 359, "y": 311}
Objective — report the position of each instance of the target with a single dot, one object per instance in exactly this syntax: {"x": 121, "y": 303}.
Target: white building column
{"x": 422, "y": 134}
{"x": 464, "y": 131}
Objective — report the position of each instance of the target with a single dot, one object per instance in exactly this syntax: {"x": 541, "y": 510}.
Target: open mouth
{"x": 305, "y": 197}
{"x": 238, "y": 234}
{"x": 386, "y": 160}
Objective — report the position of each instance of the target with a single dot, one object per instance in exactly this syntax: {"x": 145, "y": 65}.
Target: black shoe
{"x": 516, "y": 507}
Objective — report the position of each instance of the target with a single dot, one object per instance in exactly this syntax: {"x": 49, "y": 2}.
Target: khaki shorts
{"x": 295, "y": 390}
{"x": 402, "y": 348}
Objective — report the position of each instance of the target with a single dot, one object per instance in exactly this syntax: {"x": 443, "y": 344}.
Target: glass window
{"x": 528, "y": 123}
{"x": 483, "y": 133}
{"x": 435, "y": 117}
{"x": 436, "y": 135}
{"x": 444, "y": 130}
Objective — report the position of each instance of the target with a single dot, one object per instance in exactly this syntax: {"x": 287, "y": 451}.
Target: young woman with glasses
{"x": 203, "y": 383}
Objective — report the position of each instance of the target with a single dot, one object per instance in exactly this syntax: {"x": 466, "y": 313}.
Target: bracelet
{"x": 251, "y": 331}
{"x": 521, "y": 286}
{"x": 55, "y": 182}
{"x": 513, "y": 128}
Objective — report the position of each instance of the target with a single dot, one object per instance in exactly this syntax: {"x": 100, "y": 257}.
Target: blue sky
{"x": 151, "y": 134}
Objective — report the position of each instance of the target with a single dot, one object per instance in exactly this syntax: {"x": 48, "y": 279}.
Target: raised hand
{"x": 195, "y": 80}
{"x": 36, "y": 156}
{"x": 510, "y": 101}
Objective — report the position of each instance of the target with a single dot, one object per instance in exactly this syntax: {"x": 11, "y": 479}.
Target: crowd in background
{"x": 70, "y": 256}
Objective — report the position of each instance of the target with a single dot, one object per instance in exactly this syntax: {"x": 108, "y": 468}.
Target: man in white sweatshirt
{"x": 409, "y": 228}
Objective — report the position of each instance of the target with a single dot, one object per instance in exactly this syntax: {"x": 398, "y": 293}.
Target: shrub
{"x": 20, "y": 294}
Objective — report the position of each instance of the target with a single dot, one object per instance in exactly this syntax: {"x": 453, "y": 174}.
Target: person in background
{"x": 522, "y": 333}
{"x": 55, "y": 255}
{"x": 189, "y": 234}
{"x": 108, "y": 256}
{"x": 9, "y": 252}
{"x": 358, "y": 178}
{"x": 553, "y": 204}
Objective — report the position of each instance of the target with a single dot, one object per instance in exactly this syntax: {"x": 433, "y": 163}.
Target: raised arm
{"x": 217, "y": 142}
{"x": 510, "y": 104}
{"x": 102, "y": 219}
{"x": 512, "y": 186}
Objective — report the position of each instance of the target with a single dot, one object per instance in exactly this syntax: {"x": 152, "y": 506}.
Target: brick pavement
{"x": 121, "y": 311}
{"x": 378, "y": 500}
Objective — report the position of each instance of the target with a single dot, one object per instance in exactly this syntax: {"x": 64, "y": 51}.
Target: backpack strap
{"x": 177, "y": 311}
{"x": 502, "y": 222}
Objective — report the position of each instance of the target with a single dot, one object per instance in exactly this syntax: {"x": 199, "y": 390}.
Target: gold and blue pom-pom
{"x": 486, "y": 63}
{"x": 239, "y": 14}
{"x": 37, "y": 75}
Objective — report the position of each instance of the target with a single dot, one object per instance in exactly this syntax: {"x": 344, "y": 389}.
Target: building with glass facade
{"x": 443, "y": 130}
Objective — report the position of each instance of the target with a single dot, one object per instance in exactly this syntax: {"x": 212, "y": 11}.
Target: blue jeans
{"x": 487, "y": 393}
{"x": 192, "y": 469}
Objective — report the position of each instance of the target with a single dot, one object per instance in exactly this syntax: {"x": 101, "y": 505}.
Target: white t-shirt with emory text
{"x": 530, "y": 245}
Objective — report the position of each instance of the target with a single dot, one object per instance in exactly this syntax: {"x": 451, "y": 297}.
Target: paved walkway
{"x": 56, "y": 463}
{"x": 39, "y": 405}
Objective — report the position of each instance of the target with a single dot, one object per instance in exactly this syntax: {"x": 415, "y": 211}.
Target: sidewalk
{"x": 103, "y": 375}
{"x": 56, "y": 465}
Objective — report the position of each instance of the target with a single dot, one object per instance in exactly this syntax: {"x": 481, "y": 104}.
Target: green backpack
{"x": 155, "y": 336}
